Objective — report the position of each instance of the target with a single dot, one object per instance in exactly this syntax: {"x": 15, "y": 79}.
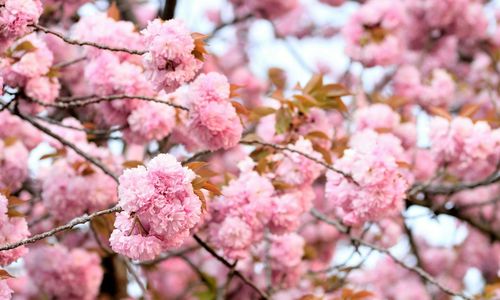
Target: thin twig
{"x": 71, "y": 224}
{"x": 92, "y": 99}
{"x": 448, "y": 190}
{"x": 284, "y": 148}
{"x": 67, "y": 143}
{"x": 205, "y": 246}
{"x": 68, "y": 63}
{"x": 134, "y": 274}
{"x": 419, "y": 271}
{"x": 86, "y": 43}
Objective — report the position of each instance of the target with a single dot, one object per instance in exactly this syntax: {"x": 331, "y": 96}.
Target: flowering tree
{"x": 137, "y": 159}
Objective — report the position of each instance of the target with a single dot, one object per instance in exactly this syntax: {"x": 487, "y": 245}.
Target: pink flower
{"x": 160, "y": 208}
{"x": 16, "y": 15}
{"x": 380, "y": 187}
{"x": 213, "y": 120}
{"x": 12, "y": 229}
{"x": 376, "y": 116}
{"x": 471, "y": 150}
{"x": 169, "y": 61}
{"x": 267, "y": 9}
{"x": 333, "y": 2}
{"x": 234, "y": 236}
{"x": 43, "y": 88}
{"x": 65, "y": 274}
{"x": 13, "y": 164}
{"x": 106, "y": 75}
{"x": 285, "y": 255}
{"x": 13, "y": 126}
{"x": 287, "y": 210}
{"x": 151, "y": 121}
{"x": 5, "y": 290}
{"x": 32, "y": 63}
{"x": 101, "y": 29}
{"x": 171, "y": 277}
{"x": 248, "y": 201}
{"x": 69, "y": 189}
{"x": 373, "y": 33}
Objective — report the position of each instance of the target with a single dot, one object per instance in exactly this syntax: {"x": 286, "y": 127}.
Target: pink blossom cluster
{"x": 470, "y": 151}
{"x": 267, "y": 9}
{"x": 171, "y": 277}
{"x": 377, "y": 185}
{"x": 5, "y": 290}
{"x": 285, "y": 255}
{"x": 12, "y": 229}
{"x": 71, "y": 188}
{"x": 15, "y": 18}
{"x": 388, "y": 280}
{"x": 28, "y": 68}
{"x": 159, "y": 208}
{"x": 62, "y": 273}
{"x": 106, "y": 75}
{"x": 239, "y": 216}
{"x": 106, "y": 31}
{"x": 150, "y": 121}
{"x": 436, "y": 91}
{"x": 169, "y": 61}
{"x": 13, "y": 163}
{"x": 212, "y": 118}
{"x": 374, "y": 33}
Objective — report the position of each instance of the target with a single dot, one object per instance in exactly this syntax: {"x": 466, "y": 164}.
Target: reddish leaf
{"x": 277, "y": 77}
{"x": 437, "y": 111}
{"x": 9, "y": 141}
{"x": 212, "y": 188}
{"x": 114, "y": 12}
{"x": 130, "y": 164}
{"x": 324, "y": 152}
{"x": 468, "y": 110}
{"x": 240, "y": 108}
{"x": 5, "y": 275}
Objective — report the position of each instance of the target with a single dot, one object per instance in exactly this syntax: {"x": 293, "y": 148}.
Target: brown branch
{"x": 71, "y": 224}
{"x": 92, "y": 99}
{"x": 68, "y": 63}
{"x": 459, "y": 214}
{"x": 71, "y": 41}
{"x": 448, "y": 190}
{"x": 419, "y": 271}
{"x": 67, "y": 143}
{"x": 284, "y": 148}
{"x": 169, "y": 9}
{"x": 230, "y": 266}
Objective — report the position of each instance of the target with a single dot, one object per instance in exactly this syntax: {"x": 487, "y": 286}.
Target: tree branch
{"x": 92, "y": 99}
{"x": 419, "y": 271}
{"x": 284, "y": 148}
{"x": 67, "y": 143}
{"x": 71, "y": 41}
{"x": 71, "y": 224}
{"x": 169, "y": 9}
{"x": 205, "y": 246}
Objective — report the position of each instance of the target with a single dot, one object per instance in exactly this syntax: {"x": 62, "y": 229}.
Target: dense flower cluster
{"x": 439, "y": 90}
{"x": 212, "y": 118}
{"x": 240, "y": 214}
{"x": 160, "y": 208}
{"x": 267, "y": 9}
{"x": 65, "y": 274}
{"x": 12, "y": 229}
{"x": 377, "y": 186}
{"x": 15, "y": 17}
{"x": 13, "y": 164}
{"x": 373, "y": 33}
{"x": 471, "y": 150}
{"x": 169, "y": 61}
